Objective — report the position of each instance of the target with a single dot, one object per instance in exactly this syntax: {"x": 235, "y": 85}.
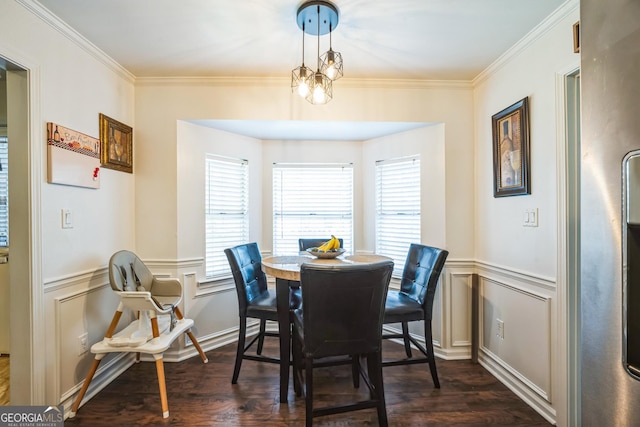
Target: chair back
{"x": 305, "y": 244}
{"x": 343, "y": 307}
{"x": 128, "y": 273}
{"x": 246, "y": 266}
{"x": 422, "y": 273}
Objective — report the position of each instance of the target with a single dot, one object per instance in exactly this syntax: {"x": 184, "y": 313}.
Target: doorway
{"x": 5, "y": 347}
{"x": 15, "y": 233}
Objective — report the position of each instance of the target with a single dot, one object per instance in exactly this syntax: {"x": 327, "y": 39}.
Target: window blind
{"x": 4, "y": 191}
{"x": 226, "y": 211}
{"x": 311, "y": 201}
{"x": 397, "y": 208}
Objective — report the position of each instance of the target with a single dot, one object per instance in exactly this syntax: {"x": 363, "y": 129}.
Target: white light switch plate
{"x": 530, "y": 217}
{"x": 67, "y": 218}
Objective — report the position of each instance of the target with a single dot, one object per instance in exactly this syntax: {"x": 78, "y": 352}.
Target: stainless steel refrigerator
{"x": 610, "y": 213}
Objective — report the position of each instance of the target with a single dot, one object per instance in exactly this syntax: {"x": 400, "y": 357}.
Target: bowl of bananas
{"x": 329, "y": 249}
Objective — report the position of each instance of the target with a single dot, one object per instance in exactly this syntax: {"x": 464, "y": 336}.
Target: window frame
{"x": 394, "y": 241}
{"x": 306, "y": 178}
{"x": 224, "y": 210}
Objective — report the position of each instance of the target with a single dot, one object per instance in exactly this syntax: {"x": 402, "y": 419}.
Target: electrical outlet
{"x": 500, "y": 333}
{"x": 83, "y": 340}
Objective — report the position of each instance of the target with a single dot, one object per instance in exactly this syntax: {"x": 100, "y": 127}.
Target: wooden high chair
{"x": 159, "y": 321}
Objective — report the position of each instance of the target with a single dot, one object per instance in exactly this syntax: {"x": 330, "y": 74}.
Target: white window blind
{"x": 226, "y": 211}
{"x": 311, "y": 201}
{"x": 397, "y": 208}
{"x": 4, "y": 192}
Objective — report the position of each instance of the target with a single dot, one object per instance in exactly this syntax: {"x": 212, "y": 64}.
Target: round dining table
{"x": 286, "y": 270}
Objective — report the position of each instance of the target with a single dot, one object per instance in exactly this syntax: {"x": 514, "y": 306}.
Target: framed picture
{"x": 116, "y": 143}
{"x": 511, "y": 150}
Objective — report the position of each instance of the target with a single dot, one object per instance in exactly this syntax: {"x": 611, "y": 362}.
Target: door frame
{"x": 28, "y": 370}
{"x": 568, "y": 249}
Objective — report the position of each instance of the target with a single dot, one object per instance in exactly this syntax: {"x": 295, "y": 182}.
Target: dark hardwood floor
{"x": 202, "y": 395}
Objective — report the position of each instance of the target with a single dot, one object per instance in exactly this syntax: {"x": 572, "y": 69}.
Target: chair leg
{"x": 309, "y": 391}
{"x": 355, "y": 370}
{"x": 96, "y": 361}
{"x": 196, "y": 344}
{"x": 162, "y": 385}
{"x": 374, "y": 368}
{"x": 296, "y": 348}
{"x": 405, "y": 337}
{"x": 160, "y": 368}
{"x": 428, "y": 341}
{"x": 85, "y": 385}
{"x": 193, "y": 339}
{"x": 240, "y": 349}
{"x": 263, "y": 328}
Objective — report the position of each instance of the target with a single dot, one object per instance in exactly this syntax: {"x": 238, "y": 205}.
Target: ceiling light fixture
{"x": 317, "y": 18}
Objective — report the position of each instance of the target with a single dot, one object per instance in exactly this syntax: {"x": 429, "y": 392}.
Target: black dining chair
{"x": 305, "y": 244}
{"x": 255, "y": 300}
{"x": 414, "y": 302}
{"x": 341, "y": 315}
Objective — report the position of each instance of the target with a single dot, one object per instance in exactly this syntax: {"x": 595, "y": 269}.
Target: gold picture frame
{"x": 511, "y": 164}
{"x": 116, "y": 145}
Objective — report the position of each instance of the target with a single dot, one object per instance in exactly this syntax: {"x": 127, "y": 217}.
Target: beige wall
{"x": 160, "y": 104}
{"x": 517, "y": 265}
{"x": 68, "y": 83}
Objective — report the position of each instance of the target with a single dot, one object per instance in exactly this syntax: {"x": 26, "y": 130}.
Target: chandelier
{"x": 317, "y": 18}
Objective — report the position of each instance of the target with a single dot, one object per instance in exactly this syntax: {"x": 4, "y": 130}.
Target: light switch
{"x": 67, "y": 218}
{"x": 530, "y": 218}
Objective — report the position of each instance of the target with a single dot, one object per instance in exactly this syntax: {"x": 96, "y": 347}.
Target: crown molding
{"x": 60, "y": 26}
{"x": 352, "y": 83}
{"x": 537, "y": 32}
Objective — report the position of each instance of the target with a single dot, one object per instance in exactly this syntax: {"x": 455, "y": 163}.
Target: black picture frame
{"x": 511, "y": 161}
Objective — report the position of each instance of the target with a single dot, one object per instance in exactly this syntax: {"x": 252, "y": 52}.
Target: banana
{"x": 330, "y": 244}
{"x": 335, "y": 243}
{"x": 325, "y": 246}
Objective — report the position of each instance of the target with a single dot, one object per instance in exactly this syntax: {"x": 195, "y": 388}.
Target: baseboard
{"x": 517, "y": 386}
{"x": 461, "y": 353}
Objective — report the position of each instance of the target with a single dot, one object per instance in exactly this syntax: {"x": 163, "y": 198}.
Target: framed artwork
{"x": 116, "y": 143}
{"x": 73, "y": 158}
{"x": 511, "y": 162}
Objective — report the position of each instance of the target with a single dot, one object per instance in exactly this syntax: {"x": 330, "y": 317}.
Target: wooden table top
{"x": 288, "y": 267}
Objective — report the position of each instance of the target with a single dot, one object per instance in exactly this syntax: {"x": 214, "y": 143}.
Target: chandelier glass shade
{"x": 321, "y": 90}
{"x": 331, "y": 64}
{"x": 317, "y": 18}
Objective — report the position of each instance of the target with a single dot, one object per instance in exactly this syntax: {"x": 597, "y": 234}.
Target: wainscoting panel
{"x": 456, "y": 289}
{"x": 76, "y": 310}
{"x": 460, "y": 308}
{"x": 515, "y": 333}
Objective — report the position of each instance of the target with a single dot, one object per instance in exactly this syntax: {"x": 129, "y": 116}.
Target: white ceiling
{"x": 380, "y": 39}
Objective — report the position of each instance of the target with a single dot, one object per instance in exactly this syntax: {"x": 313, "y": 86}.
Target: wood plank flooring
{"x": 202, "y": 395}
{"x": 4, "y": 380}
